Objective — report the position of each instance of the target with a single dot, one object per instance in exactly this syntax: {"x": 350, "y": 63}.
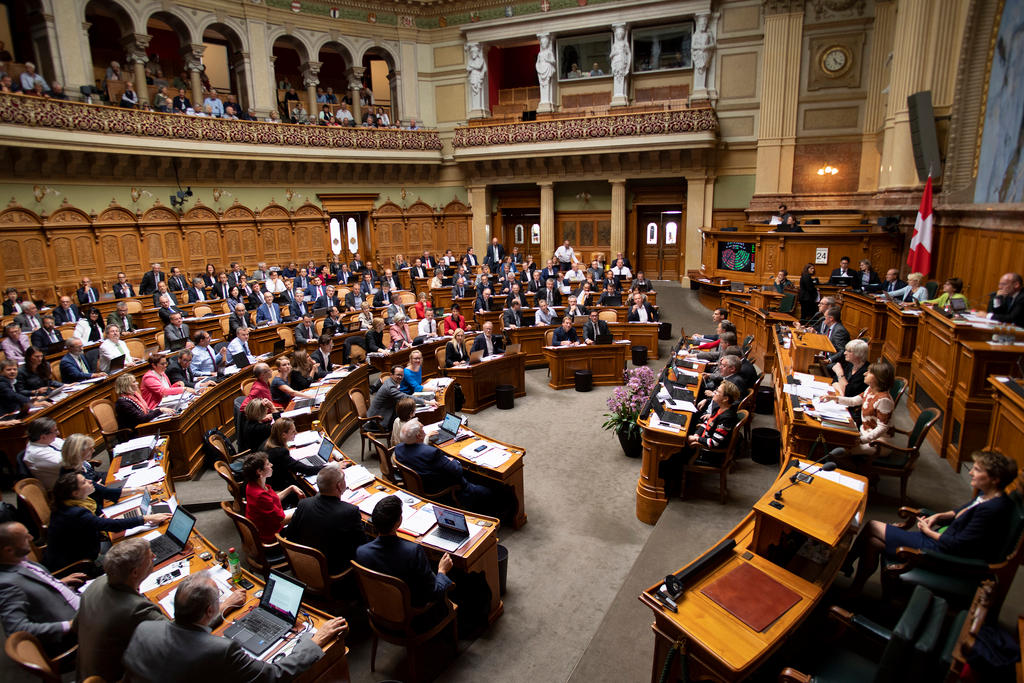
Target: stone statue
{"x": 621, "y": 58}
{"x": 702, "y": 49}
{"x": 476, "y": 67}
{"x": 545, "y": 72}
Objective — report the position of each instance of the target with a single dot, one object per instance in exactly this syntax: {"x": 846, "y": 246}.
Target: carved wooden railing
{"x": 77, "y": 116}
{"x": 589, "y": 127}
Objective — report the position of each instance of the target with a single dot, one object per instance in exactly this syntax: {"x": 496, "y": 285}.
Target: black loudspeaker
{"x": 530, "y": 115}
{"x": 923, "y": 137}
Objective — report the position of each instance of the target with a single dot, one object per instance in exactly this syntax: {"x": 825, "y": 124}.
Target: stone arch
{"x": 239, "y": 60}
{"x": 282, "y": 35}
{"x": 110, "y": 23}
{"x": 164, "y": 25}
{"x": 335, "y": 59}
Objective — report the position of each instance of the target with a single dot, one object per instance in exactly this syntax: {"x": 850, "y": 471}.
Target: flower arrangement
{"x": 627, "y": 401}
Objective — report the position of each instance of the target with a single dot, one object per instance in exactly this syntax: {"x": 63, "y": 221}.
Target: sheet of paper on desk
{"x": 298, "y": 411}
{"x": 368, "y": 503}
{"x": 357, "y": 476}
{"x": 145, "y": 477}
{"x": 437, "y": 383}
{"x": 336, "y": 374}
{"x": 803, "y": 377}
{"x": 354, "y": 497}
{"x": 831, "y": 410}
{"x": 840, "y": 478}
{"x": 230, "y": 369}
{"x": 157, "y": 579}
{"x": 685, "y": 406}
{"x": 417, "y": 522}
{"x": 664, "y": 395}
{"x": 408, "y": 500}
{"x": 305, "y": 451}
{"x": 305, "y": 438}
{"x": 493, "y": 457}
{"x": 470, "y": 453}
{"x": 221, "y": 577}
{"x": 137, "y": 442}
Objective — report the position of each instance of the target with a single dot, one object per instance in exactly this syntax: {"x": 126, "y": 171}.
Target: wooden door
{"x": 660, "y": 241}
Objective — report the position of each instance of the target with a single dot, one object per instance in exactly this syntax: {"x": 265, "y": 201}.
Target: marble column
{"x": 193, "y": 55}
{"x": 479, "y": 200}
{"x": 618, "y": 241}
{"x": 874, "y": 106}
{"x": 547, "y": 221}
{"x": 310, "y": 78}
{"x": 135, "y": 46}
{"x": 69, "y": 43}
{"x": 240, "y": 63}
{"x": 355, "y": 83}
{"x": 780, "y": 80}
{"x": 699, "y": 200}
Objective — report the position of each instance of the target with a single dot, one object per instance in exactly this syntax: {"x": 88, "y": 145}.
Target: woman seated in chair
{"x": 131, "y": 409}
{"x": 876, "y": 407}
{"x": 851, "y": 370}
{"x": 76, "y": 526}
{"x": 156, "y": 385}
{"x": 716, "y": 424}
{"x": 74, "y": 458}
{"x": 254, "y": 427}
{"x": 455, "y": 354}
{"x": 276, "y": 448}
{"x": 436, "y": 282}
{"x": 405, "y": 410}
{"x": 974, "y": 530}
{"x": 951, "y": 289}
{"x": 304, "y": 370}
{"x": 412, "y": 380}
{"x": 400, "y": 337}
{"x": 281, "y": 390}
{"x": 454, "y": 321}
{"x": 34, "y": 376}
{"x": 235, "y": 297}
{"x": 90, "y": 327}
{"x": 914, "y": 293}
{"x": 263, "y": 504}
{"x": 375, "y": 337}
{"x": 365, "y": 315}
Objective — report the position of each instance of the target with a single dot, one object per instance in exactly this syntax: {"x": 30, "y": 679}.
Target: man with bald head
{"x": 1007, "y": 304}
{"x": 327, "y": 523}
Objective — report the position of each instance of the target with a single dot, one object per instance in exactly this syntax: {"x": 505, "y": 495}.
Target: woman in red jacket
{"x": 262, "y": 503}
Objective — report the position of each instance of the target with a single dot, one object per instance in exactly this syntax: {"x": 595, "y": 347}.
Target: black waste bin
{"x": 505, "y": 396}
{"x": 584, "y": 380}
{"x": 639, "y": 355}
{"x": 502, "y": 568}
{"x": 765, "y": 445}
{"x": 664, "y": 330}
{"x": 765, "y": 401}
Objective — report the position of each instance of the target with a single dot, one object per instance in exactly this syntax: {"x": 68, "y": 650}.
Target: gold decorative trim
{"x": 841, "y": 72}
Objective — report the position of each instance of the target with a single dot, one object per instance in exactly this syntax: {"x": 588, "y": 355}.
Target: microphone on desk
{"x": 796, "y": 478}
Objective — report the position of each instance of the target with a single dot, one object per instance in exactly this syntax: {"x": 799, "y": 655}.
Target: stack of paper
{"x": 305, "y": 438}
{"x": 367, "y": 504}
{"x": 137, "y": 442}
{"x": 336, "y": 374}
{"x": 357, "y": 476}
{"x": 417, "y": 522}
{"x": 298, "y": 411}
{"x": 144, "y": 477}
{"x": 306, "y": 451}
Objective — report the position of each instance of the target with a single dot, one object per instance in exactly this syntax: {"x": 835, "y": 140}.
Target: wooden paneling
{"x": 587, "y": 231}
{"x": 979, "y": 256}
{"x": 50, "y": 254}
{"x": 411, "y": 231}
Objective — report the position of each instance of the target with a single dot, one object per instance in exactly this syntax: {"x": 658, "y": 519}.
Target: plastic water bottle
{"x": 234, "y": 565}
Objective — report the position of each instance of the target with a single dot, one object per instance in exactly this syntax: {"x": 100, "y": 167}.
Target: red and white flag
{"x": 920, "y": 257}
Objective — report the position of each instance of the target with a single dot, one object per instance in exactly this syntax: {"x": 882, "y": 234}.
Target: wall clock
{"x": 836, "y": 61}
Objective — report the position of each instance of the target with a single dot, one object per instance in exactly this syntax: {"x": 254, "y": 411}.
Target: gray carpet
{"x": 577, "y": 567}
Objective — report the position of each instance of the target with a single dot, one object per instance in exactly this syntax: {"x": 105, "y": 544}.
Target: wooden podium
{"x": 718, "y": 640}
{"x": 605, "y": 361}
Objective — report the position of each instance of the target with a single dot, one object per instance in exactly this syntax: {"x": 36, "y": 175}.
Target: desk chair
{"x": 55, "y": 370}
{"x": 288, "y": 335}
{"x": 747, "y": 404}
{"x": 261, "y": 557}
{"x": 414, "y": 484}
{"x": 966, "y": 626}
{"x": 728, "y": 455}
{"x": 137, "y": 349}
{"x": 388, "y": 468}
{"x": 27, "y": 652}
{"x": 787, "y": 303}
{"x": 899, "y": 461}
{"x": 440, "y": 355}
{"x": 134, "y": 306}
{"x": 246, "y": 386}
{"x": 236, "y": 490}
{"x": 67, "y": 332}
{"x": 748, "y": 343}
{"x": 392, "y": 614}
{"x": 608, "y": 316}
{"x": 159, "y": 336}
{"x": 361, "y": 404}
{"x": 225, "y": 324}
{"x": 201, "y": 311}
{"x": 102, "y": 411}
{"x": 309, "y": 566}
{"x": 899, "y": 387}
{"x": 35, "y": 498}
{"x": 218, "y": 448}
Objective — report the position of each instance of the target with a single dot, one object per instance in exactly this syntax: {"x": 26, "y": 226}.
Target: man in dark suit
{"x": 354, "y": 300}
{"x": 197, "y": 292}
{"x": 495, "y": 253}
{"x": 122, "y": 288}
{"x": 488, "y": 342}
{"x": 483, "y": 301}
{"x": 428, "y": 261}
{"x": 297, "y": 304}
{"x": 356, "y": 265}
{"x": 163, "y": 291}
{"x": 87, "y": 294}
{"x": 32, "y": 599}
{"x": 66, "y": 312}
{"x": 75, "y": 365}
{"x": 329, "y": 298}
{"x": 817, "y": 321}
{"x": 640, "y": 311}
{"x": 157, "y": 648}
{"x": 565, "y": 333}
{"x": 315, "y": 290}
{"x": 418, "y": 270}
{"x": 610, "y": 297}
{"x": 166, "y": 309}
{"x": 177, "y": 282}
{"x": 893, "y": 281}
{"x": 728, "y": 369}
{"x": 842, "y": 276}
{"x": 255, "y": 295}
{"x": 301, "y": 280}
{"x": 836, "y": 333}
{"x": 438, "y": 470}
{"x": 122, "y": 318}
{"x": 322, "y": 356}
{"x": 179, "y": 369}
{"x": 593, "y": 328}
{"x": 1007, "y": 304}
{"x": 513, "y": 316}
{"x": 383, "y": 297}
{"x": 268, "y": 311}
{"x": 550, "y": 294}
{"x": 459, "y": 290}
{"x": 177, "y": 334}
{"x": 471, "y": 257}
{"x": 305, "y": 331}
{"x": 327, "y": 523}
{"x": 150, "y": 280}
{"x": 389, "y": 278}
{"x": 240, "y": 318}
{"x": 235, "y": 274}
{"x": 403, "y": 559}
{"x": 179, "y": 104}
{"x": 46, "y": 335}
{"x": 222, "y": 289}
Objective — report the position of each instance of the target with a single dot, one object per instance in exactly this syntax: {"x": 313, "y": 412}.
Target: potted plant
{"x": 625, "y": 405}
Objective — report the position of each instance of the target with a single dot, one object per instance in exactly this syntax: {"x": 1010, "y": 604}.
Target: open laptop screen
{"x": 282, "y": 597}
{"x": 451, "y": 519}
{"x": 180, "y": 527}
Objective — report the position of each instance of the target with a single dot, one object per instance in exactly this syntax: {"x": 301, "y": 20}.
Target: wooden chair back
{"x": 235, "y": 490}
{"x": 25, "y": 650}
{"x": 288, "y": 335}
{"x": 160, "y": 339}
{"x": 309, "y": 566}
{"x": 406, "y": 298}
{"x": 225, "y": 325}
{"x": 548, "y": 336}
{"x": 899, "y": 387}
{"x": 134, "y": 306}
{"x": 202, "y": 310}
{"x": 359, "y": 402}
{"x": 728, "y": 457}
{"x": 440, "y": 355}
{"x": 247, "y": 385}
{"x": 387, "y": 598}
{"x": 414, "y": 484}
{"x": 34, "y": 497}
{"x": 66, "y": 331}
{"x": 318, "y": 325}
{"x": 387, "y": 465}
{"x": 137, "y": 349}
{"x": 257, "y": 553}
{"x": 55, "y": 370}
{"x": 608, "y": 316}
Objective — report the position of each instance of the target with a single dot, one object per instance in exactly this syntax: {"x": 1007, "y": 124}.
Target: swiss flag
{"x": 920, "y": 257}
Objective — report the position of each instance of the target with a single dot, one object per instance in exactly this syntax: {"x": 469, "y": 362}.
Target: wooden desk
{"x": 384, "y": 362}
{"x": 716, "y": 644}
{"x": 1006, "y": 427}
{"x": 804, "y": 347}
{"x": 531, "y": 341}
{"x": 866, "y": 312}
{"x": 951, "y": 365}
{"x": 606, "y": 361}
{"x": 900, "y": 337}
{"x": 638, "y": 334}
{"x": 479, "y": 381}
{"x": 753, "y": 321}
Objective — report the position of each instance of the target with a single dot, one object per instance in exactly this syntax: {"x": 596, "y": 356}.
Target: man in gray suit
{"x": 177, "y": 334}
{"x": 31, "y": 598}
{"x": 185, "y": 650}
{"x": 29, "y": 318}
{"x": 835, "y": 331}
{"x": 112, "y": 608}
{"x": 387, "y": 397}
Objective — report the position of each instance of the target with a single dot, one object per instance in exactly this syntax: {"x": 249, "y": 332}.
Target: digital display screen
{"x": 736, "y": 256}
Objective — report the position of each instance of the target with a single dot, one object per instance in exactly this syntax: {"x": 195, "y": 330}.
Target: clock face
{"x": 835, "y": 61}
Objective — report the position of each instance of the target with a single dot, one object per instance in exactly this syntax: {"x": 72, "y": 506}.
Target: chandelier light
{"x": 828, "y": 170}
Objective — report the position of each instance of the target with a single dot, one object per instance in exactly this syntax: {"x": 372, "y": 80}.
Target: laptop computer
{"x": 241, "y": 360}
{"x": 322, "y": 456}
{"x": 137, "y": 455}
{"x": 451, "y": 530}
{"x": 448, "y": 430}
{"x": 273, "y": 617}
{"x": 604, "y": 338}
{"x": 173, "y": 541}
{"x": 146, "y": 507}
{"x": 55, "y": 347}
{"x": 476, "y": 356}
{"x": 665, "y": 416}
{"x": 278, "y": 347}
{"x": 320, "y": 312}
{"x": 678, "y": 391}
{"x": 116, "y": 363}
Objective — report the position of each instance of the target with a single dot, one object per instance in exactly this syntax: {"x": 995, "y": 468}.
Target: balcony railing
{"x": 589, "y": 128}
{"x": 76, "y": 116}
